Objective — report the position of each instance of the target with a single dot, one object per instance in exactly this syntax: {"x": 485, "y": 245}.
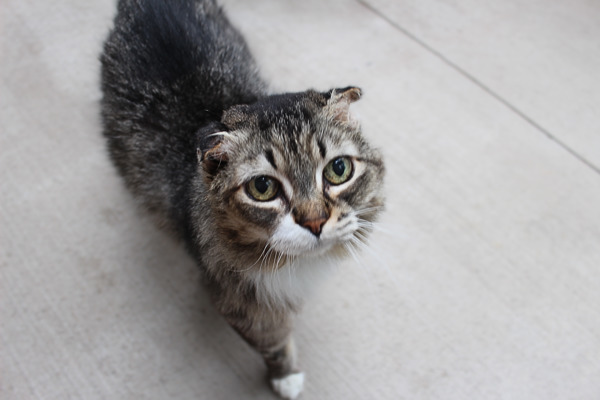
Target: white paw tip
{"x": 289, "y": 387}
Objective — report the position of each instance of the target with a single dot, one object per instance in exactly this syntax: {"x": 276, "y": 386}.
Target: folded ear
{"x": 211, "y": 151}
{"x": 338, "y": 104}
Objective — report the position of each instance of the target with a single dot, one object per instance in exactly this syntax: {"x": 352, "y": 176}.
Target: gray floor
{"x": 482, "y": 282}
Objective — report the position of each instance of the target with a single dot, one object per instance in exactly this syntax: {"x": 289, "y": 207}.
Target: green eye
{"x": 262, "y": 188}
{"x": 338, "y": 171}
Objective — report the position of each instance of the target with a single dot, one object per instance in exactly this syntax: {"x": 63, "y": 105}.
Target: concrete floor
{"x": 482, "y": 282}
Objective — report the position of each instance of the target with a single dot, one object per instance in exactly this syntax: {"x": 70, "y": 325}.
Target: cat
{"x": 262, "y": 188}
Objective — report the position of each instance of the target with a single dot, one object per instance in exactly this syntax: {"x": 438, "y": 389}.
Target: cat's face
{"x": 293, "y": 176}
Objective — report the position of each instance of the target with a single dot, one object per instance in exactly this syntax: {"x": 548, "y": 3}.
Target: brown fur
{"x": 189, "y": 125}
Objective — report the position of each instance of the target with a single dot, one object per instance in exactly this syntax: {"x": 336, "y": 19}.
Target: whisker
{"x": 358, "y": 245}
{"x": 381, "y": 228}
{"x": 367, "y": 210}
{"x": 276, "y": 268}
{"x": 270, "y": 254}
{"x": 351, "y": 249}
{"x": 261, "y": 254}
{"x": 256, "y": 262}
{"x": 289, "y": 268}
{"x": 265, "y": 260}
{"x": 361, "y": 236}
{"x": 350, "y": 246}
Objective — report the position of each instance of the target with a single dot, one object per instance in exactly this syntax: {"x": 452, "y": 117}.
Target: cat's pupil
{"x": 339, "y": 166}
{"x": 262, "y": 184}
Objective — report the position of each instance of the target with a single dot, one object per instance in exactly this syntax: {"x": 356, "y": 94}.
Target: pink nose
{"x": 315, "y": 225}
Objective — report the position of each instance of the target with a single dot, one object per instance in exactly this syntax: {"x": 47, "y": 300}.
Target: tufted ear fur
{"x": 211, "y": 151}
{"x": 238, "y": 116}
{"x": 338, "y": 104}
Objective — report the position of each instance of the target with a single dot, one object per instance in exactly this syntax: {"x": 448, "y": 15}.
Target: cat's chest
{"x": 292, "y": 282}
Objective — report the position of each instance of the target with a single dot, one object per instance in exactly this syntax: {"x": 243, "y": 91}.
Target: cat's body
{"x": 260, "y": 187}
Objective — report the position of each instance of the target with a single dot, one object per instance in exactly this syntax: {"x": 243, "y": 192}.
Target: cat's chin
{"x": 309, "y": 252}
{"x": 320, "y": 249}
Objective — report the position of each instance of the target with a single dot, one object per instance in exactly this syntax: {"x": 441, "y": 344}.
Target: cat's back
{"x": 169, "y": 67}
{"x": 161, "y": 42}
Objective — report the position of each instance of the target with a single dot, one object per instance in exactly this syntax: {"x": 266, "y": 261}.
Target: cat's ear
{"x": 237, "y": 116}
{"x": 211, "y": 150}
{"x": 338, "y": 103}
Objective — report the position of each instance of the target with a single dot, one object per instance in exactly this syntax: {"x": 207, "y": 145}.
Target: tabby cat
{"x": 262, "y": 188}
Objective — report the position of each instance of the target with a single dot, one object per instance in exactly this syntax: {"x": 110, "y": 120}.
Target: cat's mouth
{"x": 290, "y": 241}
{"x": 295, "y": 241}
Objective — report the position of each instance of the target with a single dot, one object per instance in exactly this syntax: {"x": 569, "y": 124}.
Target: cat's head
{"x": 292, "y": 174}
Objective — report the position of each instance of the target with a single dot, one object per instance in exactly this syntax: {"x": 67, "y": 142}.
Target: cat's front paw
{"x": 290, "y": 386}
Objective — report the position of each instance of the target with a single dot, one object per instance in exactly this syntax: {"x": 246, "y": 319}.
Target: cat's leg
{"x": 285, "y": 379}
{"x": 281, "y": 361}
{"x": 270, "y": 335}
{"x": 268, "y": 331}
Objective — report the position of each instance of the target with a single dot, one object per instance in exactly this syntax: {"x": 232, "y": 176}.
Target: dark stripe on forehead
{"x": 322, "y": 148}
{"x": 270, "y": 158}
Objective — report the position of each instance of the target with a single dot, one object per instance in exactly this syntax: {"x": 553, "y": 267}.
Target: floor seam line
{"x": 482, "y": 86}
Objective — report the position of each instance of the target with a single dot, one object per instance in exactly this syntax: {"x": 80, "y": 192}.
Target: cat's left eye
{"x": 263, "y": 188}
{"x": 338, "y": 170}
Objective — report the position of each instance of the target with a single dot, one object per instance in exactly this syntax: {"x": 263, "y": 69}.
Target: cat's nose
{"x": 311, "y": 216}
{"x": 315, "y": 225}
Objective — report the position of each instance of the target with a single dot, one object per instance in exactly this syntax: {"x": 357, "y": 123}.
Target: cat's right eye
{"x": 262, "y": 188}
